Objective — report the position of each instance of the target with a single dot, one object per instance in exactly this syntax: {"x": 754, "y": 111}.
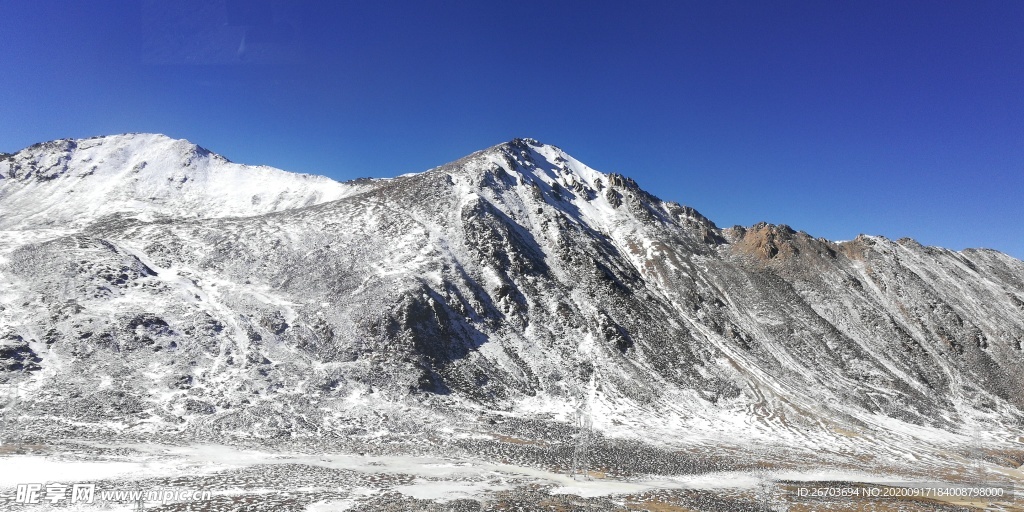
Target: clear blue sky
{"x": 898, "y": 118}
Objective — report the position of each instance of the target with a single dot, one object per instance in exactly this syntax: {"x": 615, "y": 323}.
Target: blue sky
{"x": 900, "y": 118}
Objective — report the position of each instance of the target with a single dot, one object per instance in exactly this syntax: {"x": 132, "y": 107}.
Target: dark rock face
{"x": 513, "y": 276}
{"x": 56, "y": 155}
{"x": 16, "y": 356}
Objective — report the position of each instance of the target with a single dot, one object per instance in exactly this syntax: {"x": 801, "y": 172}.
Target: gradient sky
{"x": 896, "y": 118}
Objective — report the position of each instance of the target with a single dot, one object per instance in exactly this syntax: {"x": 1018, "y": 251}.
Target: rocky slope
{"x": 149, "y": 286}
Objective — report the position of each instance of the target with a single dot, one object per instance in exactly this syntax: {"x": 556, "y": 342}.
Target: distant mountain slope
{"x": 515, "y": 280}
{"x": 70, "y": 183}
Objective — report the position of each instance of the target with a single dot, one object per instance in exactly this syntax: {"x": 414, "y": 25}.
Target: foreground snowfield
{"x": 511, "y": 331}
{"x": 295, "y": 479}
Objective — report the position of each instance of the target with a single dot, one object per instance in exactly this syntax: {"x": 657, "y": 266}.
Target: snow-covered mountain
{"x": 71, "y": 183}
{"x": 224, "y": 300}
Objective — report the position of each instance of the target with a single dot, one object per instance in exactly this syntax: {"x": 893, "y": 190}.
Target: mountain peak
{"x": 77, "y": 181}
{"x": 550, "y": 164}
{"x": 522, "y": 143}
{"x": 542, "y": 179}
{"x": 46, "y": 161}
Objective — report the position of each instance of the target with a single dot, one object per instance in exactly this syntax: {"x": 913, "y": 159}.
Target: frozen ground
{"x": 324, "y": 476}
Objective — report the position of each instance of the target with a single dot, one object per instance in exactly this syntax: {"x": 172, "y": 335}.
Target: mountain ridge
{"x": 515, "y": 144}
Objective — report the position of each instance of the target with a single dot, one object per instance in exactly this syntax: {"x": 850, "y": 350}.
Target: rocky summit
{"x": 515, "y": 311}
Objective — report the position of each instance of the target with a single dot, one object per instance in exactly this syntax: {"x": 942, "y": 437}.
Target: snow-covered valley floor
{"x": 312, "y": 477}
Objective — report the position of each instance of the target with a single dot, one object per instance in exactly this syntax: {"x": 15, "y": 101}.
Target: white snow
{"x": 147, "y": 176}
